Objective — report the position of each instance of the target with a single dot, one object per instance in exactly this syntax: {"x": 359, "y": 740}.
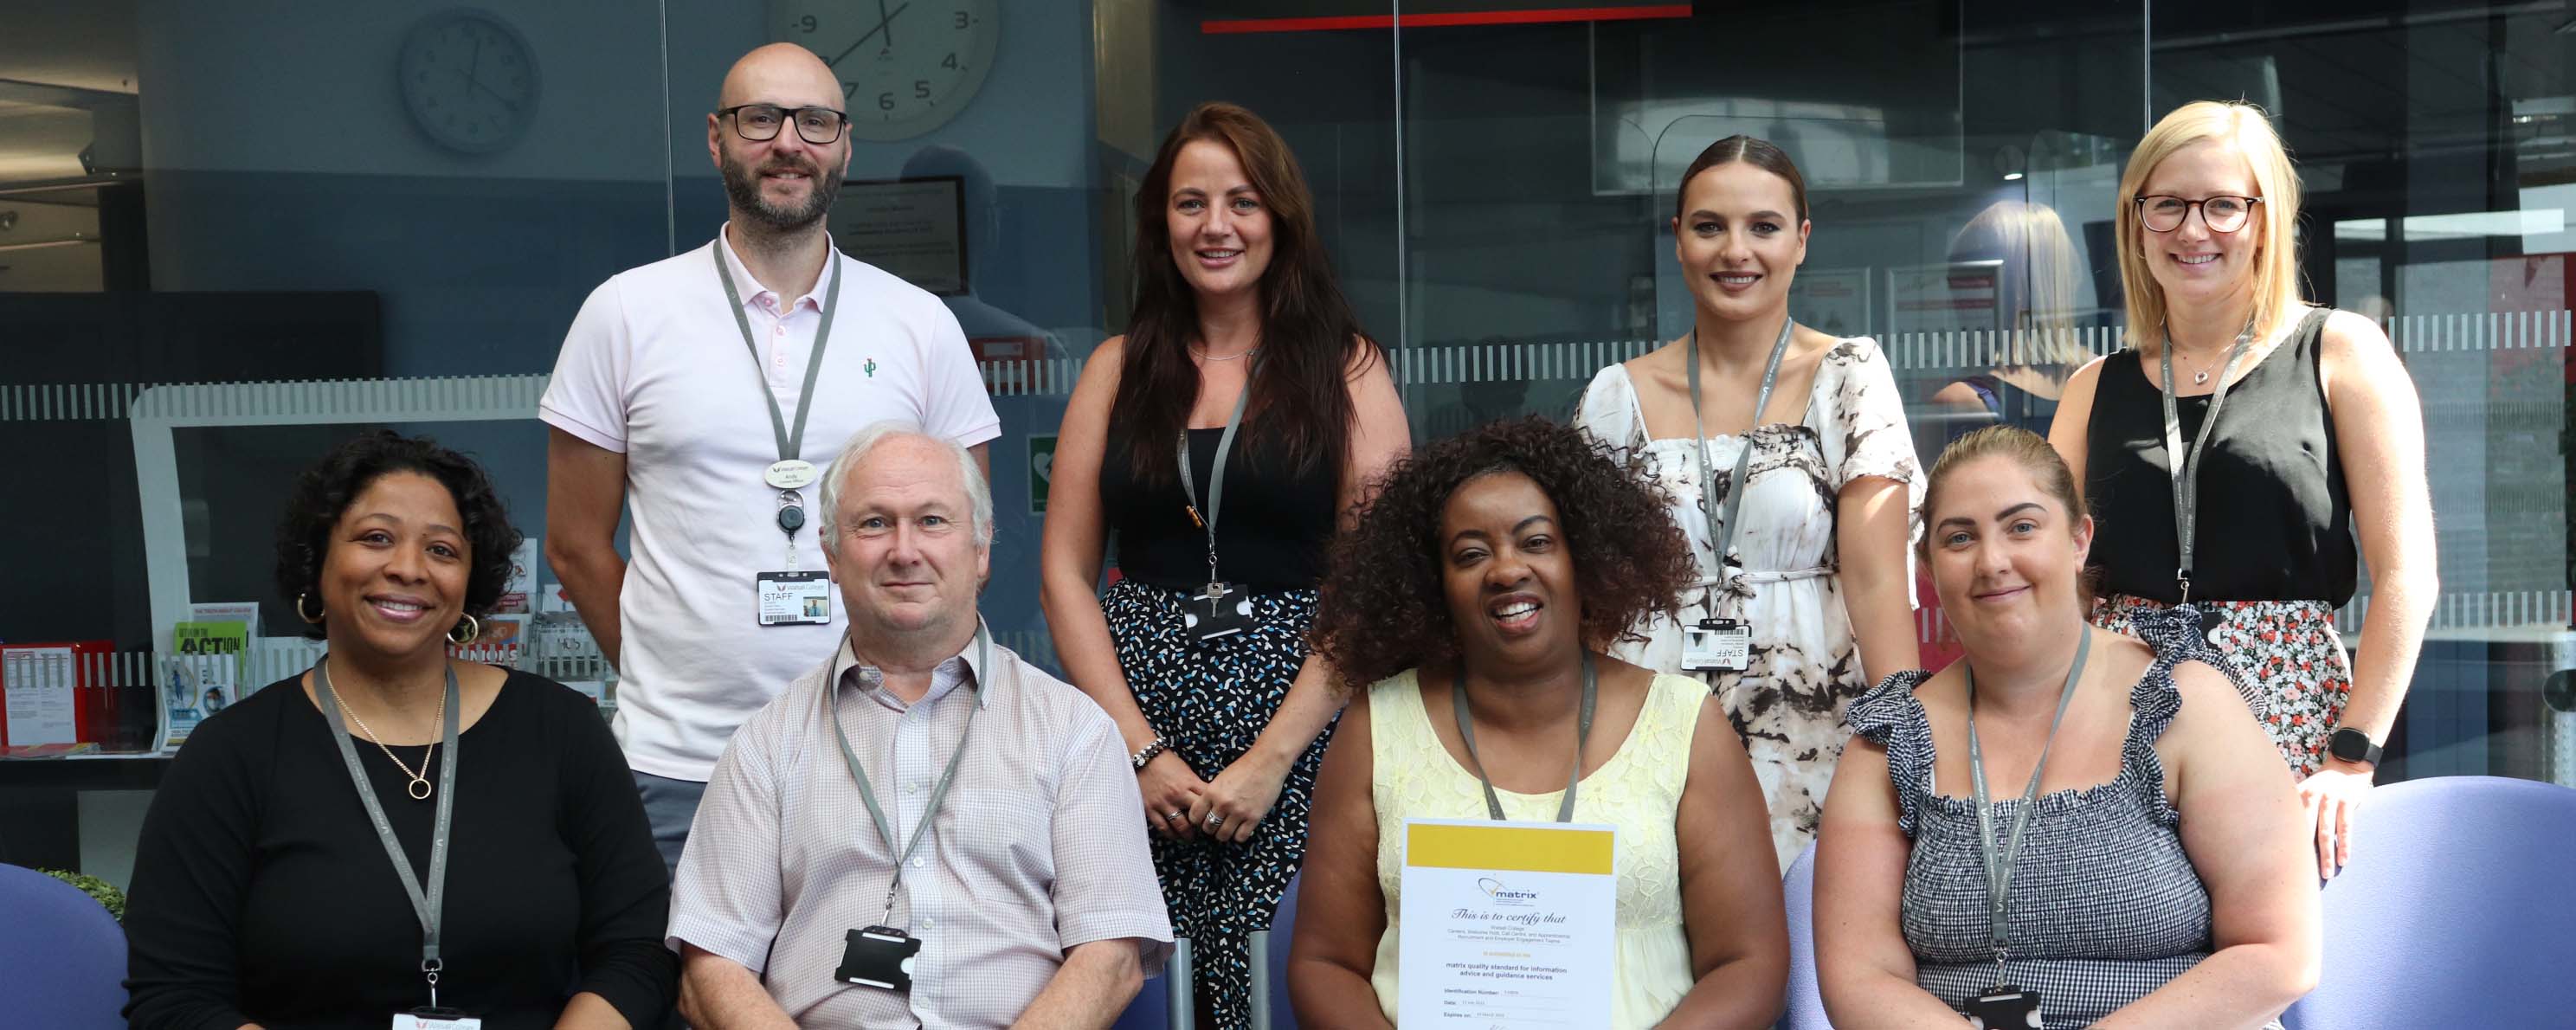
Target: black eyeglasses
{"x": 759, "y": 123}
{"x": 2162, "y": 213}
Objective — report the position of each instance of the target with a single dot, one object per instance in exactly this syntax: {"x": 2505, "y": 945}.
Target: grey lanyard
{"x": 1999, "y": 868}
{"x": 2184, "y": 466}
{"x": 983, "y": 673}
{"x": 790, "y": 442}
{"x": 1724, "y": 538}
{"x": 427, "y": 906}
{"x": 1216, "y": 476}
{"x": 1582, "y": 729}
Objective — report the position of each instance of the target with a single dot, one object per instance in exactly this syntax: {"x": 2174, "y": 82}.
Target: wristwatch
{"x": 2353, "y": 745}
{"x": 1145, "y": 755}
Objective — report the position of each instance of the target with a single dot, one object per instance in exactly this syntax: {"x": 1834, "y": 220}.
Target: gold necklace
{"x": 420, "y": 788}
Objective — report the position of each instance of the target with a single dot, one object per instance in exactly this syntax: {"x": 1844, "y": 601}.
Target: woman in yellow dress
{"x": 1471, "y": 605}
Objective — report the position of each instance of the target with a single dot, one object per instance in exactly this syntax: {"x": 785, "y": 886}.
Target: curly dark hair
{"x": 322, "y": 494}
{"x": 1383, "y": 609}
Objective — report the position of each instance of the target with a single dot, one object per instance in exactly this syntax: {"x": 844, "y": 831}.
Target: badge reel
{"x": 2005, "y": 1007}
{"x": 792, "y": 597}
{"x": 879, "y": 957}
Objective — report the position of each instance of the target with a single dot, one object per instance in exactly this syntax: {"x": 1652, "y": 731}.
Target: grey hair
{"x": 979, "y": 494}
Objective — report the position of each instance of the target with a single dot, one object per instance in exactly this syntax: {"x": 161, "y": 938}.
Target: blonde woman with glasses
{"x": 2252, "y": 450}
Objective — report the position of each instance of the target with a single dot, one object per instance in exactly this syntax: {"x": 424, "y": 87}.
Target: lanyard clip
{"x": 1193, "y": 511}
{"x": 2183, "y": 577}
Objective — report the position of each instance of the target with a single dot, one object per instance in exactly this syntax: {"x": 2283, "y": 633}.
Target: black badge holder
{"x": 2005, "y": 1007}
{"x": 880, "y": 957}
{"x": 1217, "y": 611}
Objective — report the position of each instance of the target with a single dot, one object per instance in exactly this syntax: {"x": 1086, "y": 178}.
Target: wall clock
{"x": 469, "y": 80}
{"x": 906, "y": 66}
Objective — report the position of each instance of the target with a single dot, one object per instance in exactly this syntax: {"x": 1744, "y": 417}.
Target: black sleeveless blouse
{"x": 1271, "y": 533}
{"x": 2275, "y": 519}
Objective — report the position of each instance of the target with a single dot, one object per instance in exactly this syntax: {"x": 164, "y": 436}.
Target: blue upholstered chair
{"x": 62, "y": 957}
{"x": 1806, "y": 1009}
{"x": 2456, "y": 910}
{"x": 1152, "y": 1009}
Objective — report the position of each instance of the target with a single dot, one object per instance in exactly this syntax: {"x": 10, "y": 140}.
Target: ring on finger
{"x": 1215, "y": 820}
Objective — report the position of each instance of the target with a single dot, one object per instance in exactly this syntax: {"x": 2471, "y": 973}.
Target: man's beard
{"x": 742, "y": 186}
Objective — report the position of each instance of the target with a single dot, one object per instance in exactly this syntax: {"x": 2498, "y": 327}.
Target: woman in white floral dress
{"x": 1816, "y": 594}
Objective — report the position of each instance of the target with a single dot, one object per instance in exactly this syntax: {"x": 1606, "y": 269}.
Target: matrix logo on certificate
{"x": 1506, "y": 925}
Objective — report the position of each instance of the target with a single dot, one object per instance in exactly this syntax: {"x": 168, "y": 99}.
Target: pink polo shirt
{"x": 654, "y": 368}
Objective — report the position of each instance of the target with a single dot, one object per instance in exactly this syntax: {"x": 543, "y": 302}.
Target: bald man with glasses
{"x": 696, "y": 396}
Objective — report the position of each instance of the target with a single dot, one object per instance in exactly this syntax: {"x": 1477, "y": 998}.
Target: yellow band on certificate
{"x": 1507, "y": 848}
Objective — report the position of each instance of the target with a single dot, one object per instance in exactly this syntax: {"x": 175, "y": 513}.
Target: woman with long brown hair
{"x": 1223, "y": 439}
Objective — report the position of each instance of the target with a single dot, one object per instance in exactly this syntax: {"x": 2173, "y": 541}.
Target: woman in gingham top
{"x": 2161, "y": 879}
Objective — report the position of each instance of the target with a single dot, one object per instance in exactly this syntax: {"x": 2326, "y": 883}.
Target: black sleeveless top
{"x": 1270, "y": 535}
{"x": 2275, "y": 519}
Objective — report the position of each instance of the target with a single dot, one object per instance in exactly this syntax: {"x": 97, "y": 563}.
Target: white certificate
{"x": 1506, "y": 924}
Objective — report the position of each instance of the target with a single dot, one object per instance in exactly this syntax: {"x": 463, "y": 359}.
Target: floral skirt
{"x": 2288, "y": 654}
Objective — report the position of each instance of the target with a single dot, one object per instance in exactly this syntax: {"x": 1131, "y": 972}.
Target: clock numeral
{"x": 963, "y": 20}
{"x": 806, "y": 24}
{"x": 885, "y": 101}
{"x": 921, "y": 89}
{"x": 848, "y": 90}
{"x": 949, "y": 61}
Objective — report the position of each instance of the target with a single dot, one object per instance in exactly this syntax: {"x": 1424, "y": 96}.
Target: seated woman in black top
{"x": 263, "y": 894}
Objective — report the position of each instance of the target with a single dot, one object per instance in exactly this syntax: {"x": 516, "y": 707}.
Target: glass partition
{"x": 229, "y": 238}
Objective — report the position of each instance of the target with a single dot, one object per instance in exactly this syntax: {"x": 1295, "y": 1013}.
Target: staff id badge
{"x": 879, "y": 957}
{"x": 1717, "y": 645}
{"x": 2005, "y": 1007}
{"x": 794, "y": 598}
{"x": 431, "y": 1018}
{"x": 1215, "y": 612}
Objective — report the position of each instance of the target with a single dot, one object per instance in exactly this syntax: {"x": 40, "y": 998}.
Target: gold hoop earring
{"x": 314, "y": 618}
{"x": 473, "y": 628}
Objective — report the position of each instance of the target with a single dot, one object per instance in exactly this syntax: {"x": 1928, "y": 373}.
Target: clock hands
{"x": 882, "y": 21}
{"x": 473, "y": 68}
{"x": 885, "y": 21}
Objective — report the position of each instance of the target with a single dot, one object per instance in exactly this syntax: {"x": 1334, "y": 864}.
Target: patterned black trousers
{"x": 1211, "y": 701}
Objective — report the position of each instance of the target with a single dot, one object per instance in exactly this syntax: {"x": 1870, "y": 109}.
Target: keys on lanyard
{"x": 2004, "y": 1004}
{"x": 1220, "y": 609}
{"x": 2184, "y": 466}
{"x": 788, "y": 597}
{"x": 1715, "y": 644}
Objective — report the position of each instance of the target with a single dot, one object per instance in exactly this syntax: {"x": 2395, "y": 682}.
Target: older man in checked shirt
{"x": 984, "y": 864}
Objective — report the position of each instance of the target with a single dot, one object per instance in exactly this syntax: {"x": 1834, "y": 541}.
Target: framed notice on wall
{"x": 914, "y": 228}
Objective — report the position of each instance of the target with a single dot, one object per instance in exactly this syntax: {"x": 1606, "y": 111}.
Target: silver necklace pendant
{"x": 420, "y": 788}
{"x": 2200, "y": 377}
